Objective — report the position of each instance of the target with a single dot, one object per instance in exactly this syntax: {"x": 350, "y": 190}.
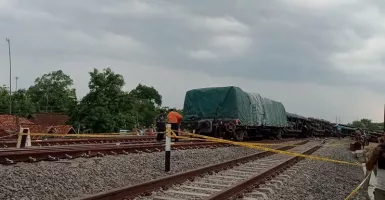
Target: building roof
{"x": 8, "y": 122}
{"x": 37, "y": 128}
{"x": 50, "y": 119}
{"x": 63, "y": 129}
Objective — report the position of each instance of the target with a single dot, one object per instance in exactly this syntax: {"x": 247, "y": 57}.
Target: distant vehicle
{"x": 124, "y": 131}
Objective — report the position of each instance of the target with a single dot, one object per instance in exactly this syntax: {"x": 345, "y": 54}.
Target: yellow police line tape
{"x": 280, "y": 144}
{"x": 75, "y": 135}
{"x": 254, "y": 146}
{"x": 253, "y": 143}
{"x": 128, "y": 135}
{"x": 93, "y": 135}
{"x": 358, "y": 187}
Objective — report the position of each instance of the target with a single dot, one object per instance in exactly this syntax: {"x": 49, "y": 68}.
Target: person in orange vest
{"x": 174, "y": 118}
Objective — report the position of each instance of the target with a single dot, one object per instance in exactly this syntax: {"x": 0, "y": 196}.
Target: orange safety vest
{"x": 174, "y": 117}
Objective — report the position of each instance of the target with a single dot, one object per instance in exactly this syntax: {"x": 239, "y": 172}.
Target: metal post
{"x": 10, "y": 76}
{"x": 168, "y": 148}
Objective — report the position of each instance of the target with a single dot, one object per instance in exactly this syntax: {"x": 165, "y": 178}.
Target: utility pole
{"x": 16, "y": 78}
{"x": 10, "y": 75}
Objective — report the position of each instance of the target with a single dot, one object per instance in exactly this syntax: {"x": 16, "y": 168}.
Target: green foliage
{"x": 368, "y": 124}
{"x": 148, "y": 93}
{"x": 106, "y": 108}
{"x": 22, "y": 104}
{"x": 53, "y": 92}
{"x": 145, "y": 103}
{"x": 4, "y": 100}
{"x": 145, "y": 111}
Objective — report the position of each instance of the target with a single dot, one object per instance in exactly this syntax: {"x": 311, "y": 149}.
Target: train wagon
{"x": 231, "y": 113}
{"x": 299, "y": 126}
{"x": 321, "y": 127}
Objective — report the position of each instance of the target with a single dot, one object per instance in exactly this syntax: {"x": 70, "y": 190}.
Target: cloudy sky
{"x": 321, "y": 58}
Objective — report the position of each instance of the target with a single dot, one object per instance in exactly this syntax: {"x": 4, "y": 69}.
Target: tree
{"x": 144, "y": 111}
{"x": 146, "y": 102}
{"x": 106, "y": 108}
{"x": 368, "y": 124}
{"x": 358, "y": 124}
{"x": 144, "y": 92}
{"x": 53, "y": 92}
{"x": 22, "y": 104}
{"x": 166, "y": 109}
{"x": 4, "y": 100}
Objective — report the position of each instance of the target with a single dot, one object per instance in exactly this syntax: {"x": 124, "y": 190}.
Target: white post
{"x": 28, "y": 143}
{"x": 168, "y": 148}
{"x": 24, "y": 140}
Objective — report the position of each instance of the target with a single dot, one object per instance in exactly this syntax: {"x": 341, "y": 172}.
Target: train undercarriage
{"x": 233, "y": 130}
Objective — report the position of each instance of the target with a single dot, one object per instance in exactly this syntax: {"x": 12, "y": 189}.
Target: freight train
{"x": 231, "y": 113}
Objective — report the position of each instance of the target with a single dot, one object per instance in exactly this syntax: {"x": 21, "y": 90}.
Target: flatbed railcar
{"x": 321, "y": 127}
{"x": 299, "y": 126}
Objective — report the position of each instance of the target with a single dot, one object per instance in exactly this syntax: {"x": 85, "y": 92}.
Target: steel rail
{"x": 245, "y": 185}
{"x": 11, "y": 156}
{"x": 146, "y": 187}
{"x": 128, "y": 139}
{"x": 51, "y": 142}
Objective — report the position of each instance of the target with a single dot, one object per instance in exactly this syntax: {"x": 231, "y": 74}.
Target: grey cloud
{"x": 288, "y": 43}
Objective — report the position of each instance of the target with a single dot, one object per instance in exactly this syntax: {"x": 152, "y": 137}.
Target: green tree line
{"x": 105, "y": 108}
{"x": 368, "y": 124}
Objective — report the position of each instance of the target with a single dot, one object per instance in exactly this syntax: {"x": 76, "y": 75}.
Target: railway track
{"x": 54, "y": 153}
{"x": 56, "y": 142}
{"x": 34, "y": 154}
{"x": 220, "y": 181}
{"x": 127, "y": 140}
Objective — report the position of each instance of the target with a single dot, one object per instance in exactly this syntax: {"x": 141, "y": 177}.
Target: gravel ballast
{"x": 324, "y": 180}
{"x": 75, "y": 178}
{"x": 178, "y": 191}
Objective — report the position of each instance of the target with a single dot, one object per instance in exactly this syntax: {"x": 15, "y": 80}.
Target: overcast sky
{"x": 320, "y": 58}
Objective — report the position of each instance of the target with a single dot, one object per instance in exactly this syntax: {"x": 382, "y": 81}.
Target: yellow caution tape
{"x": 75, "y": 135}
{"x": 280, "y": 144}
{"x": 358, "y": 187}
{"x": 269, "y": 149}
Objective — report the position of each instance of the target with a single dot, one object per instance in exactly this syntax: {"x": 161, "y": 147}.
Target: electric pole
{"x": 10, "y": 75}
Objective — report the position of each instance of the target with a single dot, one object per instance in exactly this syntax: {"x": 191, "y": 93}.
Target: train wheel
{"x": 279, "y": 134}
{"x": 239, "y": 135}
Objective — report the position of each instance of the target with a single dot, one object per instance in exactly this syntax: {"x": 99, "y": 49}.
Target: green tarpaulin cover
{"x": 233, "y": 103}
